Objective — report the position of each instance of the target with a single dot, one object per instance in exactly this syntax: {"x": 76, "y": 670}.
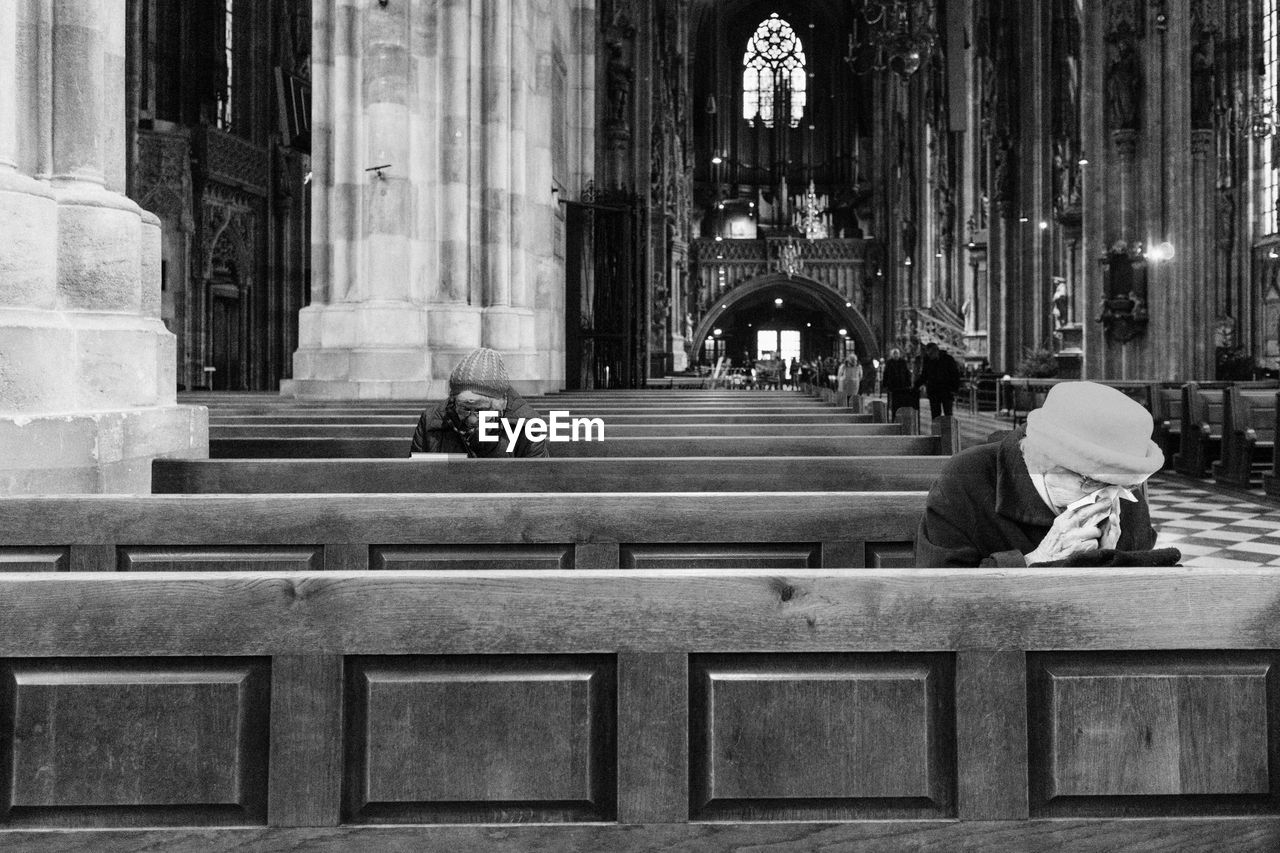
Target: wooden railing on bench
{"x": 693, "y": 474}
{"x": 709, "y": 428}
{"x": 442, "y": 531}
{"x": 638, "y": 712}
{"x": 1248, "y": 436}
{"x": 384, "y": 448}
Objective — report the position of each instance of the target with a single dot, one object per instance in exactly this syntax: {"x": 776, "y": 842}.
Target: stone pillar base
{"x": 361, "y": 351}
{"x": 94, "y": 452}
{"x": 364, "y": 389}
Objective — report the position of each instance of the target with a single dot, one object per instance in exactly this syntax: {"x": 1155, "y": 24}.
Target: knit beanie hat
{"x": 1096, "y": 431}
{"x": 481, "y": 370}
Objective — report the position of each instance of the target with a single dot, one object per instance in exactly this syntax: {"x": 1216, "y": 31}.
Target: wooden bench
{"x": 1026, "y": 394}
{"x": 1202, "y": 413}
{"x": 779, "y": 430}
{"x": 493, "y": 531}
{"x": 1166, "y": 412}
{"x": 391, "y": 448}
{"x": 737, "y": 474}
{"x": 641, "y": 711}
{"x": 663, "y": 418}
{"x": 1202, "y": 410}
{"x": 1248, "y": 436}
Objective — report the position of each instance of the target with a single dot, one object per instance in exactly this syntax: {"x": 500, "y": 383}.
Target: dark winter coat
{"x": 440, "y": 432}
{"x": 897, "y": 382}
{"x": 984, "y": 511}
{"x": 940, "y": 376}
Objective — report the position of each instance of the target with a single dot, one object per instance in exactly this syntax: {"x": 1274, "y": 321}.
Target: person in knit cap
{"x": 478, "y": 384}
{"x": 1066, "y": 484}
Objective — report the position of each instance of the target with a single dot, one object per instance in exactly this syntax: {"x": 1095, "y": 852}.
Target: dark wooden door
{"x": 601, "y": 297}
{"x": 226, "y": 342}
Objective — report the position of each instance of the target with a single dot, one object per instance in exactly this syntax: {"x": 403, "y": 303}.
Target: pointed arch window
{"x": 226, "y": 119}
{"x": 773, "y": 74}
{"x": 1269, "y": 186}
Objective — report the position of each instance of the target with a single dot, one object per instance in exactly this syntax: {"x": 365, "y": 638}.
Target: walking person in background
{"x": 940, "y": 376}
{"x": 848, "y": 379}
{"x": 897, "y": 382}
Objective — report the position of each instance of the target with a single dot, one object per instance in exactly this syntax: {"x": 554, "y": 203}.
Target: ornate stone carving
{"x": 1226, "y": 216}
{"x": 164, "y": 177}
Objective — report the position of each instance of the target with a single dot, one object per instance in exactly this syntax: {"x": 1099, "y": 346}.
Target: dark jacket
{"x": 984, "y": 511}
{"x": 439, "y": 432}
{"x": 940, "y": 376}
{"x": 897, "y": 375}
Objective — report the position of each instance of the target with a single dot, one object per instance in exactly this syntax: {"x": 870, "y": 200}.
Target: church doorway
{"x": 225, "y": 335}
{"x": 602, "y": 302}
{"x": 800, "y": 317}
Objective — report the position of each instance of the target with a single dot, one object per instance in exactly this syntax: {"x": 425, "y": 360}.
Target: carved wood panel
{"x": 133, "y": 741}
{"x": 821, "y": 737}
{"x": 471, "y": 558}
{"x": 891, "y": 555}
{"x": 721, "y": 555}
{"x": 1153, "y": 733}
{"x": 219, "y": 559}
{"x": 480, "y": 738}
{"x": 34, "y": 559}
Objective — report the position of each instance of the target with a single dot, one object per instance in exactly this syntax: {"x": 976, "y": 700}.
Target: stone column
{"x": 1201, "y": 254}
{"x": 87, "y": 370}
{"x": 419, "y": 264}
{"x": 364, "y": 335}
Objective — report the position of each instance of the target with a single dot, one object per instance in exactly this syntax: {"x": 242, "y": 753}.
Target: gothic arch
{"x": 827, "y": 299}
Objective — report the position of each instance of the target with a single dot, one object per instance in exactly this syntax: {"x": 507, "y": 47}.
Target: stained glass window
{"x": 773, "y": 75}
{"x": 1270, "y": 179}
{"x": 228, "y": 57}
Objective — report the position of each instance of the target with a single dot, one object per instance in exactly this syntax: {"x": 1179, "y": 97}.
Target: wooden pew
{"x": 821, "y": 416}
{"x": 641, "y": 711}
{"x": 656, "y": 430}
{"x": 1166, "y": 412}
{"x": 443, "y": 531}
{"x": 1248, "y": 436}
{"x": 1201, "y": 429}
{"x": 391, "y": 448}
{"x": 1202, "y": 413}
{"x": 738, "y": 474}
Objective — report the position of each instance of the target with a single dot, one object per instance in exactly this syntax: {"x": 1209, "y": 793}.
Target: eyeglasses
{"x": 467, "y": 408}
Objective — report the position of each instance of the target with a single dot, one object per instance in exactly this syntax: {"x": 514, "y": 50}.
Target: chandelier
{"x": 899, "y": 36}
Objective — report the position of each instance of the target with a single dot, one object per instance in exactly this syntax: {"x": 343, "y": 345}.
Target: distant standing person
{"x": 848, "y": 379}
{"x": 897, "y": 382}
{"x": 940, "y": 376}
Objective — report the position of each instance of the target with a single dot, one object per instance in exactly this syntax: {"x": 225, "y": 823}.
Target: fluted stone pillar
{"x": 414, "y": 267}
{"x": 87, "y": 370}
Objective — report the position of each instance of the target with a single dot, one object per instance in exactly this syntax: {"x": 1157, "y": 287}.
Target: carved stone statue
{"x": 1124, "y": 86}
{"x": 1002, "y": 180}
{"x": 1059, "y": 300}
{"x": 1202, "y": 82}
{"x": 618, "y": 76}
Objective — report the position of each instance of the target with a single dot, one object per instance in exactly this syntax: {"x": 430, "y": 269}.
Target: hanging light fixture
{"x": 899, "y": 36}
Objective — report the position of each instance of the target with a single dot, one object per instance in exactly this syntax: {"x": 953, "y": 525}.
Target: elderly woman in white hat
{"x": 1066, "y": 484}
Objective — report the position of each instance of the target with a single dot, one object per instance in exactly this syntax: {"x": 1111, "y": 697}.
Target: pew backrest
{"x": 388, "y": 448}
{"x": 641, "y": 710}
{"x": 687, "y": 474}
{"x": 527, "y": 530}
